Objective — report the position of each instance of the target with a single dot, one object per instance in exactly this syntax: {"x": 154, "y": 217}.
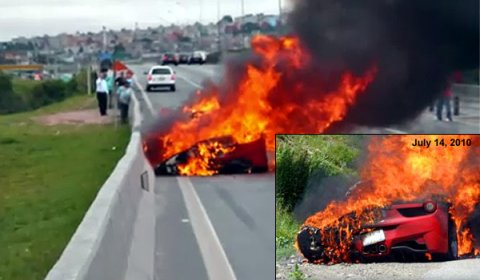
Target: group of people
{"x": 105, "y": 94}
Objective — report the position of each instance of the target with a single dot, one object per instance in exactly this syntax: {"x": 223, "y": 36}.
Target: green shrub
{"x": 291, "y": 176}
{"x": 79, "y": 82}
{"x": 285, "y": 231}
{"x": 298, "y": 156}
{"x": 48, "y": 92}
{"x": 9, "y": 101}
{"x": 297, "y": 274}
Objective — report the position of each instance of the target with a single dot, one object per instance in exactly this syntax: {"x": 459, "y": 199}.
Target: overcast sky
{"x": 39, "y": 17}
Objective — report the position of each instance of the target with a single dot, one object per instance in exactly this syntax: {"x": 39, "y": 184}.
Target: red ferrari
{"x": 242, "y": 158}
{"x": 404, "y": 231}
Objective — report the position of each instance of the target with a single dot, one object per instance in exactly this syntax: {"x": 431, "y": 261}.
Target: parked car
{"x": 198, "y": 57}
{"x": 161, "y": 76}
{"x": 183, "y": 58}
{"x": 404, "y": 230}
{"x": 169, "y": 58}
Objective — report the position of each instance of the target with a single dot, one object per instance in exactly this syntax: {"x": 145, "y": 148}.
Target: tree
{"x": 227, "y": 18}
{"x": 8, "y": 100}
{"x": 119, "y": 48}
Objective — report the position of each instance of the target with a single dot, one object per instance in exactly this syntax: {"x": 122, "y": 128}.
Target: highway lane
{"x": 426, "y": 123}
{"x": 240, "y": 210}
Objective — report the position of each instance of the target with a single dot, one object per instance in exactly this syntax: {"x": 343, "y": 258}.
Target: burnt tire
{"x": 308, "y": 240}
{"x": 452, "y": 241}
{"x": 238, "y": 166}
{"x": 452, "y": 244}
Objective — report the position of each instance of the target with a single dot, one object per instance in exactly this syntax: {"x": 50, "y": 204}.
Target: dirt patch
{"x": 81, "y": 117}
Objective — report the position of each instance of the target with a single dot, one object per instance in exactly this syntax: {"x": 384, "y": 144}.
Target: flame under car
{"x": 404, "y": 231}
{"x": 219, "y": 156}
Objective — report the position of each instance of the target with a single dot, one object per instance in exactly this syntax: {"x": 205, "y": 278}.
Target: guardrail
{"x": 466, "y": 98}
{"x": 115, "y": 238}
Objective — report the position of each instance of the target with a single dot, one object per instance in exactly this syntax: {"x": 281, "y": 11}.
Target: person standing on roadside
{"x": 110, "y": 83}
{"x": 120, "y": 80}
{"x": 102, "y": 93}
{"x": 446, "y": 97}
{"x": 124, "y": 101}
{"x": 119, "y": 86}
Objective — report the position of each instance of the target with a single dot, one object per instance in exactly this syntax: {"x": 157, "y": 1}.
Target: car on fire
{"x": 403, "y": 231}
{"x": 239, "y": 157}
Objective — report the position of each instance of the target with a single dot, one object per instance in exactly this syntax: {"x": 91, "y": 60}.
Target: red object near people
{"x": 118, "y": 66}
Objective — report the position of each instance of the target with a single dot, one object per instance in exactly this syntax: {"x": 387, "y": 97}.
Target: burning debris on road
{"x": 418, "y": 200}
{"x": 374, "y": 63}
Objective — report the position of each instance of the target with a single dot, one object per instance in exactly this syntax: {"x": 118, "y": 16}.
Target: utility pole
{"x": 200, "y": 21}
{"x": 219, "y": 29}
{"x": 280, "y": 7}
{"x": 104, "y": 39}
{"x": 242, "y": 21}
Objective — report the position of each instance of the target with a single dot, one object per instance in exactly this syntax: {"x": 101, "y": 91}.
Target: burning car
{"x": 401, "y": 231}
{"x": 221, "y": 155}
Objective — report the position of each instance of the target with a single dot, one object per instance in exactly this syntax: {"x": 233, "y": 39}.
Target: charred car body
{"x": 402, "y": 231}
{"x": 235, "y": 158}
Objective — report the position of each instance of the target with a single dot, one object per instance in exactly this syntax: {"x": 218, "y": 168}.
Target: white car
{"x": 198, "y": 57}
{"x": 161, "y": 76}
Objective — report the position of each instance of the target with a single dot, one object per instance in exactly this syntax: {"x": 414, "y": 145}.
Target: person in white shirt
{"x": 124, "y": 101}
{"x": 102, "y": 93}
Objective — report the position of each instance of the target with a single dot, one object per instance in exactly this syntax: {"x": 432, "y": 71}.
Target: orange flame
{"x": 398, "y": 171}
{"x": 200, "y": 163}
{"x": 253, "y": 113}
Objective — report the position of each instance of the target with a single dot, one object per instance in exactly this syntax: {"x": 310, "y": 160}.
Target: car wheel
{"x": 173, "y": 88}
{"x": 452, "y": 241}
{"x": 148, "y": 89}
{"x": 309, "y": 243}
{"x": 452, "y": 244}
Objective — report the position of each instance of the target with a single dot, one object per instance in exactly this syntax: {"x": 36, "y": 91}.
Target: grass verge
{"x": 49, "y": 176}
{"x": 286, "y": 229}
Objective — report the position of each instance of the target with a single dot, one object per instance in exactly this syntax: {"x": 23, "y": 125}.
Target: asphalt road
{"x": 220, "y": 227}
{"x": 233, "y": 216}
{"x": 191, "y": 78}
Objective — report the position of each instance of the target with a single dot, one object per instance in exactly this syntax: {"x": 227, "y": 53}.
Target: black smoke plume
{"x": 417, "y": 45}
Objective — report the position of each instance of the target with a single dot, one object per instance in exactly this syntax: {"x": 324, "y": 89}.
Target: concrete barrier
{"x": 115, "y": 238}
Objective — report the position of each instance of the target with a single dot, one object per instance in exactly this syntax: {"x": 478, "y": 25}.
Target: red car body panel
{"x": 429, "y": 230}
{"x": 255, "y": 152}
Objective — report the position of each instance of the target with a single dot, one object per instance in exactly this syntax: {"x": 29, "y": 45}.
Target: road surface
{"x": 220, "y": 227}
{"x": 191, "y": 77}
{"x": 240, "y": 209}
{"x": 454, "y": 270}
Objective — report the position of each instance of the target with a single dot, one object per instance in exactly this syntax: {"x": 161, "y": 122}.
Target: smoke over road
{"x": 415, "y": 44}
{"x": 371, "y": 63}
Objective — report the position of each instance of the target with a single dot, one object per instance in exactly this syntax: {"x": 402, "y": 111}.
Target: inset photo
{"x": 374, "y": 207}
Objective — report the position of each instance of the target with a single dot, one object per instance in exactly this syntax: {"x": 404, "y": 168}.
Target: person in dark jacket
{"x": 446, "y": 98}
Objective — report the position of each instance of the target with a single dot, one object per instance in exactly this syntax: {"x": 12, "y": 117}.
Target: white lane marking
{"x": 145, "y": 97}
{"x": 216, "y": 261}
{"x": 190, "y": 81}
{"x": 185, "y": 220}
{"x": 396, "y": 131}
